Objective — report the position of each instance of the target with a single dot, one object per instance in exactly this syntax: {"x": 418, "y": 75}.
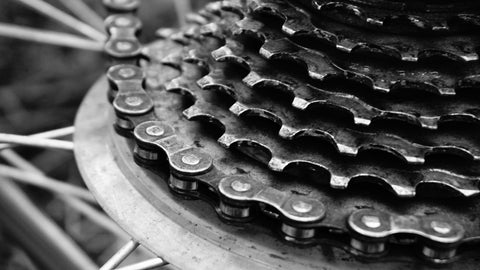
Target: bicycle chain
{"x": 364, "y": 226}
{"x": 282, "y": 155}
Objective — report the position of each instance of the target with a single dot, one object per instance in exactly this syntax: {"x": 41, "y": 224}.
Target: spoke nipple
{"x": 441, "y": 227}
{"x": 372, "y": 222}
{"x": 126, "y": 73}
{"x": 240, "y": 186}
{"x": 191, "y": 159}
{"x": 302, "y": 207}
{"x": 133, "y": 101}
{"x": 155, "y": 131}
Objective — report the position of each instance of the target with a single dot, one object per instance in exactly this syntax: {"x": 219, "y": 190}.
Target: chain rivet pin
{"x": 372, "y": 222}
{"x": 126, "y": 72}
{"x": 133, "y": 101}
{"x": 240, "y": 186}
{"x": 302, "y": 207}
{"x": 191, "y": 159}
{"x": 155, "y": 131}
{"x": 441, "y": 227}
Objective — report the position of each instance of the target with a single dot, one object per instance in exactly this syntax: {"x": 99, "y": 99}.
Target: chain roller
{"x": 239, "y": 197}
{"x": 440, "y": 236}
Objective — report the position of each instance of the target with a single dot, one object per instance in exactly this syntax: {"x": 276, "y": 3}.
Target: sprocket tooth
{"x": 281, "y": 156}
{"x": 213, "y": 8}
{"x": 239, "y": 7}
{"x": 260, "y": 77}
{"x": 362, "y": 112}
{"x": 319, "y": 67}
{"x": 397, "y": 17}
{"x": 229, "y": 53}
{"x": 278, "y": 187}
{"x": 199, "y": 165}
{"x": 224, "y": 27}
{"x": 346, "y": 141}
{"x": 260, "y": 147}
{"x": 195, "y": 18}
{"x": 345, "y": 205}
{"x": 297, "y": 22}
{"x": 379, "y": 77}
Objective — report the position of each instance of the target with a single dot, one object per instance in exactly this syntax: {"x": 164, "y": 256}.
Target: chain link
{"x": 239, "y": 197}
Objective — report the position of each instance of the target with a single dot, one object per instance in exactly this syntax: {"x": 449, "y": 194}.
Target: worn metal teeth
{"x": 282, "y": 156}
{"x": 377, "y": 76}
{"x": 297, "y": 22}
{"x": 401, "y": 17}
{"x": 362, "y": 113}
{"x": 296, "y": 124}
{"x": 360, "y": 222}
{"x": 281, "y": 186}
{"x": 380, "y": 78}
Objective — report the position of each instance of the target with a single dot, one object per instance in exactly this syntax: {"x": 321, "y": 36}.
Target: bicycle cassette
{"x": 292, "y": 134}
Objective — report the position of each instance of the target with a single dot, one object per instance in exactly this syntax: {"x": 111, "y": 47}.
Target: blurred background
{"x": 41, "y": 87}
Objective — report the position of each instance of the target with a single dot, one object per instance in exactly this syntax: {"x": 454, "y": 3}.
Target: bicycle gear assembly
{"x": 292, "y": 134}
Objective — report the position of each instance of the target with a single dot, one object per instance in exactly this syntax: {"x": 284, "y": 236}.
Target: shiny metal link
{"x": 239, "y": 196}
{"x": 186, "y": 162}
{"x": 294, "y": 208}
{"x": 439, "y": 235}
{"x": 122, "y": 42}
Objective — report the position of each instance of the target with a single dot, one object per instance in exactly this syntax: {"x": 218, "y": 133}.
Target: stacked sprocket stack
{"x": 352, "y": 124}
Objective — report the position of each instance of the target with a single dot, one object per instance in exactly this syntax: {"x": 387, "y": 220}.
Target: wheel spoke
{"x": 56, "y": 133}
{"x": 64, "y": 18}
{"x": 42, "y": 237}
{"x": 94, "y": 215}
{"x": 120, "y": 256}
{"x": 84, "y": 12}
{"x": 145, "y": 265}
{"x": 46, "y": 183}
{"x": 182, "y": 7}
{"x": 49, "y": 37}
{"x": 35, "y": 141}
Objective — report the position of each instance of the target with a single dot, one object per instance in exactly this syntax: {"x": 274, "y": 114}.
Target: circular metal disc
{"x": 186, "y": 233}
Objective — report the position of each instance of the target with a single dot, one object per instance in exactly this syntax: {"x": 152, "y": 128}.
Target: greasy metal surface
{"x": 263, "y": 74}
{"x": 224, "y": 90}
{"x": 186, "y": 233}
{"x": 402, "y": 16}
{"x": 457, "y": 47}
